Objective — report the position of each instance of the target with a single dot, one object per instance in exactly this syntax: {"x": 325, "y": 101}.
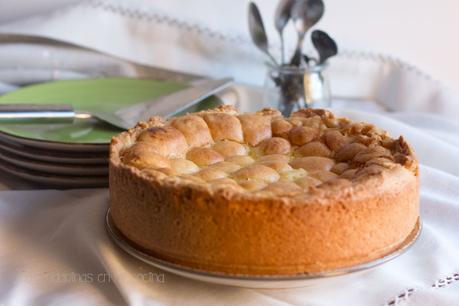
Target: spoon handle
{"x": 282, "y": 48}
{"x": 296, "y": 58}
{"x": 271, "y": 57}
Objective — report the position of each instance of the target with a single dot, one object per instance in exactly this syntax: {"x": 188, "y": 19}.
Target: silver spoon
{"x": 257, "y": 31}
{"x": 324, "y": 44}
{"x": 281, "y": 18}
{"x": 305, "y": 14}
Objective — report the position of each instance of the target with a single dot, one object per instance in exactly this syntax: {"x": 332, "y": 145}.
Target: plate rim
{"x": 59, "y": 181}
{"x": 51, "y": 156}
{"x": 53, "y": 168}
{"x": 118, "y": 238}
{"x": 56, "y": 145}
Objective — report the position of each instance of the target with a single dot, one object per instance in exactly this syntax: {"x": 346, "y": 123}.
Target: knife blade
{"x": 172, "y": 104}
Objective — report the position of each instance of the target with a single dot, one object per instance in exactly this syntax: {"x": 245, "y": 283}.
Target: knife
{"x": 123, "y": 118}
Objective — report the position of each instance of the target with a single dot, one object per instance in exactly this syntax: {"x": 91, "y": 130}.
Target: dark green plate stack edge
{"x": 74, "y": 155}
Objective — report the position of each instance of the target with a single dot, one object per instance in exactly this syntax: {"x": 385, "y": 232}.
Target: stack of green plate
{"x": 73, "y": 155}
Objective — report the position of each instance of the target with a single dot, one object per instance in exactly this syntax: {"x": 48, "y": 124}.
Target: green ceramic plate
{"x": 44, "y": 180}
{"x": 106, "y": 95}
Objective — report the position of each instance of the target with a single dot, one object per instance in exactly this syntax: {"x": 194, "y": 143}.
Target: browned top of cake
{"x": 262, "y": 153}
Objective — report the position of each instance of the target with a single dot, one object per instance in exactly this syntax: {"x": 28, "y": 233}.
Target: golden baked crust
{"x": 260, "y": 194}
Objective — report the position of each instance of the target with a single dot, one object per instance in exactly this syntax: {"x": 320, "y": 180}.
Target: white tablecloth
{"x": 54, "y": 249}
{"x": 53, "y": 246}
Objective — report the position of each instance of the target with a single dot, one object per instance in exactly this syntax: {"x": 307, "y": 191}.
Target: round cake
{"x": 260, "y": 194}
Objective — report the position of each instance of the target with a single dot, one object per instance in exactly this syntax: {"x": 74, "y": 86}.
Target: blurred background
{"x": 420, "y": 32}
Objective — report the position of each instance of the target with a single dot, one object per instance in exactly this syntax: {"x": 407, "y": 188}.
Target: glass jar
{"x": 290, "y": 88}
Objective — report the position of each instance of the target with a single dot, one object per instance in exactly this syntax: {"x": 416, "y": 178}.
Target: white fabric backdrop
{"x": 418, "y": 31}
